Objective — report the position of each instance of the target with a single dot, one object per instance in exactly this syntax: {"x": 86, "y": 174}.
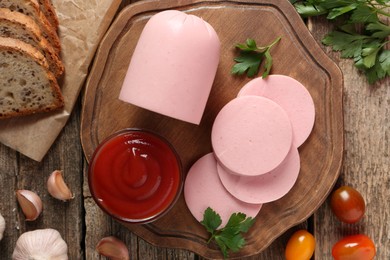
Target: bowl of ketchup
{"x": 135, "y": 176}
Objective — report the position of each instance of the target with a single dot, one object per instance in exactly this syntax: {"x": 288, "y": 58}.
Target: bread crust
{"x": 48, "y": 9}
{"x": 15, "y": 21}
{"x": 9, "y": 46}
{"x": 14, "y": 44}
{"x": 31, "y": 8}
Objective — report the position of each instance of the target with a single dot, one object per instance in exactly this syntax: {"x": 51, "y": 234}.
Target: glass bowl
{"x": 135, "y": 176}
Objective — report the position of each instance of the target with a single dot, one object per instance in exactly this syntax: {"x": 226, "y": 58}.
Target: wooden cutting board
{"x": 296, "y": 55}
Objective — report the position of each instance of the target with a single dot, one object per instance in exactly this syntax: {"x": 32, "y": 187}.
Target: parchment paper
{"x": 82, "y": 25}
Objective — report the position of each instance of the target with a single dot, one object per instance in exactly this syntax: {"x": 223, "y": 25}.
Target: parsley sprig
{"x": 251, "y": 57}
{"x": 228, "y": 237}
{"x": 362, "y": 35}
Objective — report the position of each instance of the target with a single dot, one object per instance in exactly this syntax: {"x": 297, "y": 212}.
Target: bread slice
{"x": 49, "y": 11}
{"x": 19, "y": 26}
{"x": 26, "y": 84}
{"x": 31, "y": 9}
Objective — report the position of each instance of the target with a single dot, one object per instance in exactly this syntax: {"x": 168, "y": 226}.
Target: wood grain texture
{"x": 366, "y": 164}
{"x": 20, "y": 172}
{"x": 82, "y": 224}
{"x": 322, "y": 78}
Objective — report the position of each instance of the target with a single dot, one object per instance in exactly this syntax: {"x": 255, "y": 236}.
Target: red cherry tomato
{"x": 300, "y": 246}
{"x": 347, "y": 204}
{"x": 356, "y": 247}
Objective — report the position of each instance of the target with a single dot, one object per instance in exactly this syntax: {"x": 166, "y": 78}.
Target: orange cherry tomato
{"x": 347, "y": 204}
{"x": 355, "y": 247}
{"x": 300, "y": 246}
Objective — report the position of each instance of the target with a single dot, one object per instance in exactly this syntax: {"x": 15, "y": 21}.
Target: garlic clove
{"x": 41, "y": 244}
{"x": 57, "y": 186}
{"x": 2, "y": 226}
{"x": 30, "y": 203}
{"x": 113, "y": 248}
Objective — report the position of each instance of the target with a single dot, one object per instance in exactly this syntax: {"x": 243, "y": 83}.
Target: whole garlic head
{"x": 40, "y": 244}
{"x": 2, "y": 226}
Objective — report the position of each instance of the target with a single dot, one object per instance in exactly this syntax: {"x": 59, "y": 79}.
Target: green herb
{"x": 229, "y": 237}
{"x": 251, "y": 57}
{"x": 361, "y": 36}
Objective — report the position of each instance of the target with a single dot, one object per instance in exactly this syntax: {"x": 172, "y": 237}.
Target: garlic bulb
{"x": 57, "y": 187}
{"x": 30, "y": 203}
{"x": 113, "y": 248}
{"x": 41, "y": 244}
{"x": 2, "y": 226}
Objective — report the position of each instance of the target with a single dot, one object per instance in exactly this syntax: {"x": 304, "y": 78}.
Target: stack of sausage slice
{"x": 255, "y": 140}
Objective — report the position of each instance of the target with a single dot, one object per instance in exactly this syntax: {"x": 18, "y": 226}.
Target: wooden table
{"x": 82, "y": 224}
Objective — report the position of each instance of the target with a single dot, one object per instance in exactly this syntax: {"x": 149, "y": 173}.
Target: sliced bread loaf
{"x": 26, "y": 84}
{"x": 19, "y": 26}
{"x": 31, "y": 9}
{"x": 48, "y": 10}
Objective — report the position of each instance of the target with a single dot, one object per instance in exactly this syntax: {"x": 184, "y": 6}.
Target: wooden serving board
{"x": 296, "y": 55}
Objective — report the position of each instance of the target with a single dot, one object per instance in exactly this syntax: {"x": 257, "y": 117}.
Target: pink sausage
{"x": 203, "y": 189}
{"x": 173, "y": 66}
{"x": 292, "y": 96}
{"x": 267, "y": 187}
{"x": 251, "y": 135}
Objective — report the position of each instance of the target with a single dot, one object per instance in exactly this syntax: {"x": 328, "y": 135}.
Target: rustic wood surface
{"x": 178, "y": 227}
{"x": 82, "y": 223}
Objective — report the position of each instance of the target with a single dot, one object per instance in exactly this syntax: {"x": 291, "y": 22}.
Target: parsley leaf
{"x": 378, "y": 30}
{"x": 366, "y": 46}
{"x": 381, "y": 68}
{"x": 211, "y": 220}
{"x": 364, "y": 14}
{"x": 350, "y": 45}
{"x": 384, "y": 61}
{"x": 307, "y": 9}
{"x": 250, "y": 58}
{"x": 247, "y": 61}
{"x": 228, "y": 237}
{"x": 336, "y": 12}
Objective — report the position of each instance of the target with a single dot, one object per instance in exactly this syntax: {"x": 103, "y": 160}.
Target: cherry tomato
{"x": 356, "y": 247}
{"x": 347, "y": 204}
{"x": 300, "y": 246}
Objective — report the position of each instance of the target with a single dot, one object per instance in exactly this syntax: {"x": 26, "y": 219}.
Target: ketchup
{"x": 135, "y": 175}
